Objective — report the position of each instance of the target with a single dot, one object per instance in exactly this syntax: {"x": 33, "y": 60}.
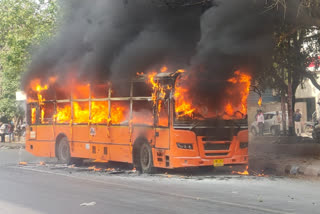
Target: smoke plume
{"x": 113, "y": 39}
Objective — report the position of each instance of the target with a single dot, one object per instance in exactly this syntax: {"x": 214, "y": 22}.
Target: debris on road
{"x": 42, "y": 163}
{"x": 88, "y": 204}
{"x": 23, "y": 163}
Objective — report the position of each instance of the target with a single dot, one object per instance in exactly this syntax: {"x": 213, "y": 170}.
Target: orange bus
{"x": 137, "y": 124}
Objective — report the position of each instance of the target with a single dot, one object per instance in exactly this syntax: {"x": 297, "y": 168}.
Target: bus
{"x": 138, "y": 124}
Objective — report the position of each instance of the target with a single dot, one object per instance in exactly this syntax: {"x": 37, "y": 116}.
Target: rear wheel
{"x": 63, "y": 153}
{"x": 145, "y": 158}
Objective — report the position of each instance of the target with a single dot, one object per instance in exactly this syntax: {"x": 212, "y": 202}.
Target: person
{"x": 278, "y": 122}
{"x": 260, "y": 121}
{"x": 297, "y": 122}
{"x": 11, "y": 132}
{"x": 2, "y": 132}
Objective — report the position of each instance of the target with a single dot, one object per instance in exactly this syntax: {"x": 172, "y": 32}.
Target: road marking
{"x": 244, "y": 206}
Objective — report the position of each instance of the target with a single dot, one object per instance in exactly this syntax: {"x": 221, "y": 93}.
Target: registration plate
{"x": 218, "y": 162}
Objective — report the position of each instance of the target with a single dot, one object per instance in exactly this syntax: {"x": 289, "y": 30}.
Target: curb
{"x": 302, "y": 170}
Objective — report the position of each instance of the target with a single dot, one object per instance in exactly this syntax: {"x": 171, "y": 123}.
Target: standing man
{"x": 2, "y": 132}
{"x": 260, "y": 121}
{"x": 278, "y": 122}
{"x": 297, "y": 122}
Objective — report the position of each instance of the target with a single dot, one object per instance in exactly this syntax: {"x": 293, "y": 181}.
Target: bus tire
{"x": 145, "y": 158}
{"x": 63, "y": 151}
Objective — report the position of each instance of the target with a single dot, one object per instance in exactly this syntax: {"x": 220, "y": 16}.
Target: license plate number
{"x": 218, "y": 162}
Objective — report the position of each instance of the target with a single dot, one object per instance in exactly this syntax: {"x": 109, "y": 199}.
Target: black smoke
{"x": 114, "y": 39}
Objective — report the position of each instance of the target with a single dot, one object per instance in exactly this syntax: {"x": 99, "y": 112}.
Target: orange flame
{"x": 245, "y": 172}
{"x": 33, "y": 115}
{"x": 260, "y": 101}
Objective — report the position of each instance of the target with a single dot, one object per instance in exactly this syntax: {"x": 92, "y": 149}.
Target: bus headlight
{"x": 185, "y": 145}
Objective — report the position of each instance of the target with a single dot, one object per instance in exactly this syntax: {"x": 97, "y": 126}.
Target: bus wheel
{"x": 63, "y": 151}
{"x": 145, "y": 156}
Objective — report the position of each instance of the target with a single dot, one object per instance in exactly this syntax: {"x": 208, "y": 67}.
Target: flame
{"x": 33, "y": 115}
{"x": 23, "y": 163}
{"x": 184, "y": 105}
{"x": 163, "y": 69}
{"x": 94, "y": 168}
{"x": 245, "y": 172}
{"x": 260, "y": 101}
{"x": 243, "y": 81}
{"x": 42, "y": 163}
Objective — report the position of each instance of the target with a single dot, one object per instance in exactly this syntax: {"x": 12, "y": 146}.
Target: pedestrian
{"x": 260, "y": 121}
{"x": 2, "y": 132}
{"x": 297, "y": 122}
{"x": 11, "y": 132}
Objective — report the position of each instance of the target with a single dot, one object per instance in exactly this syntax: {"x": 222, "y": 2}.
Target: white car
{"x": 270, "y": 124}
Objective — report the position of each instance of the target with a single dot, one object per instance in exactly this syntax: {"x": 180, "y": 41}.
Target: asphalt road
{"x": 40, "y": 189}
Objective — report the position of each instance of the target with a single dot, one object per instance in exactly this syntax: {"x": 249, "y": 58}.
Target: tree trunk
{"x": 290, "y": 110}
{"x": 283, "y": 110}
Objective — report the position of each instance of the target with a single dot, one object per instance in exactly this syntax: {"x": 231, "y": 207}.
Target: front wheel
{"x": 145, "y": 156}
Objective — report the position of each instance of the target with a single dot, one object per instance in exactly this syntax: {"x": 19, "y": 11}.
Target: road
{"x": 42, "y": 189}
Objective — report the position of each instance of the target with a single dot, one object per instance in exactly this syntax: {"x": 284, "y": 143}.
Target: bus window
{"x": 163, "y": 115}
{"x": 63, "y": 114}
{"x": 120, "y": 112}
{"x": 142, "y": 89}
{"x": 99, "y": 112}
{"x": 46, "y": 113}
{"x": 32, "y": 113}
{"x": 122, "y": 91}
{"x": 142, "y": 112}
{"x": 80, "y": 112}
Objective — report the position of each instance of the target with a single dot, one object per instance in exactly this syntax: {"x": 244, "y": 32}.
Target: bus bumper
{"x": 178, "y": 162}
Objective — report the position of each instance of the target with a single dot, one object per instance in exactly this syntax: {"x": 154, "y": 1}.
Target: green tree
{"x": 24, "y": 25}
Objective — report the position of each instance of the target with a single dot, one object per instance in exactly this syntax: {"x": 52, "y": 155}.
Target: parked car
{"x": 270, "y": 124}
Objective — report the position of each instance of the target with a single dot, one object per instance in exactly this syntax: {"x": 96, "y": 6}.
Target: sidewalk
{"x": 13, "y": 145}
{"x": 284, "y": 155}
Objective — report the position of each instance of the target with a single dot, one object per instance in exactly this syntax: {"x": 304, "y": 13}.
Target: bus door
{"x": 162, "y": 131}
{"x": 33, "y": 118}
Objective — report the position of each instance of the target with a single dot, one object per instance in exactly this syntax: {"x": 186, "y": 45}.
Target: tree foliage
{"x": 24, "y": 25}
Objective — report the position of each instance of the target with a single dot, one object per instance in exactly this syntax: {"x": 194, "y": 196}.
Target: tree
{"x": 24, "y": 24}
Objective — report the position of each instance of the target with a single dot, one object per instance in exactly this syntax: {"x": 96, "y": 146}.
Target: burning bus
{"x": 152, "y": 121}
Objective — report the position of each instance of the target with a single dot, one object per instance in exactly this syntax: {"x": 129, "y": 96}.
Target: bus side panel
{"x": 101, "y": 134}
{"x": 43, "y": 144}
{"x": 63, "y": 129}
{"x": 79, "y": 143}
{"x": 120, "y": 149}
{"x": 40, "y": 148}
{"x": 45, "y": 132}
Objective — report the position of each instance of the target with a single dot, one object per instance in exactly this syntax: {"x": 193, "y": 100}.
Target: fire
{"x": 260, "y": 101}
{"x": 243, "y": 81}
{"x": 23, "y": 163}
{"x": 245, "y": 172}
{"x": 78, "y": 111}
{"x": 158, "y": 90}
{"x": 63, "y": 114}
{"x": 185, "y": 106}
{"x": 164, "y": 69}
{"x": 33, "y": 115}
